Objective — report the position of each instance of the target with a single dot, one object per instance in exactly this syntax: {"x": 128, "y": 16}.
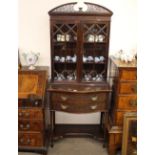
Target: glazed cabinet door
{"x": 64, "y": 42}
{"x": 94, "y": 51}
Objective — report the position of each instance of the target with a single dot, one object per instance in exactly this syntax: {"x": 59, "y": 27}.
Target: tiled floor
{"x": 75, "y": 146}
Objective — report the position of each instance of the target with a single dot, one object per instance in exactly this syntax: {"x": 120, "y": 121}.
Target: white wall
{"x": 34, "y": 36}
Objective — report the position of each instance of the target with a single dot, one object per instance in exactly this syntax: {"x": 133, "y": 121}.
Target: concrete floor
{"x": 75, "y": 146}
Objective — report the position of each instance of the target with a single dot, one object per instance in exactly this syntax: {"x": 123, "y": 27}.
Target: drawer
{"x": 79, "y": 103}
{"x": 33, "y": 125}
{"x": 128, "y": 74}
{"x": 128, "y": 87}
{"x": 127, "y": 102}
{"x": 35, "y": 113}
{"x": 30, "y": 139}
{"x": 78, "y": 98}
{"x": 79, "y": 108}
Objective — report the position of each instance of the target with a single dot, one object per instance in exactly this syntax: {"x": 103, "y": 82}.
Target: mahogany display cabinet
{"x": 79, "y": 56}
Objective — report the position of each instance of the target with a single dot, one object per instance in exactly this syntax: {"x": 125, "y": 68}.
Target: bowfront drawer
{"x": 78, "y": 98}
{"x": 76, "y": 102}
{"x": 33, "y": 125}
{"x": 128, "y": 88}
{"x": 127, "y": 102}
{"x": 35, "y": 113}
{"x": 30, "y": 139}
{"x": 128, "y": 74}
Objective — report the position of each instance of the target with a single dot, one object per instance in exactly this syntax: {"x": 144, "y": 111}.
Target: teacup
{"x": 99, "y": 77}
{"x": 101, "y": 37}
{"x": 90, "y": 38}
{"x": 62, "y": 59}
{"x": 96, "y": 38}
{"x": 56, "y": 58}
{"x": 74, "y": 58}
{"x": 94, "y": 78}
{"x": 84, "y": 59}
{"x": 101, "y": 58}
{"x": 62, "y": 37}
{"x": 70, "y": 77}
{"x": 59, "y": 37}
{"x": 68, "y": 37}
{"x": 60, "y": 77}
{"x": 87, "y": 77}
{"x": 97, "y": 59}
{"x": 68, "y": 58}
{"x": 90, "y": 58}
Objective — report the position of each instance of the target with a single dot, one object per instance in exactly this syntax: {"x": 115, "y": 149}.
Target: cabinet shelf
{"x": 64, "y": 42}
{"x": 64, "y": 81}
{"x": 66, "y": 62}
{"x": 94, "y": 42}
{"x": 94, "y": 63}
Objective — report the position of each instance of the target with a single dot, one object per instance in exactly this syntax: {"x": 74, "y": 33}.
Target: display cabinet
{"x": 79, "y": 57}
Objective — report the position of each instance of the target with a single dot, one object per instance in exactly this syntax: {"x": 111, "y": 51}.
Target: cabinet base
{"x": 64, "y": 131}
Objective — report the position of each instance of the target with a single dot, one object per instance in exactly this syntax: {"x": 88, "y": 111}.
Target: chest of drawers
{"x": 32, "y": 127}
{"x": 123, "y": 80}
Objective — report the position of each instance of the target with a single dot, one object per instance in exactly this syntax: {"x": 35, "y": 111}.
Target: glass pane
{"x": 65, "y": 52}
{"x": 94, "y": 52}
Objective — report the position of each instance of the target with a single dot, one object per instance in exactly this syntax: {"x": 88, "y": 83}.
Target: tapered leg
{"x": 105, "y": 129}
{"x": 52, "y": 122}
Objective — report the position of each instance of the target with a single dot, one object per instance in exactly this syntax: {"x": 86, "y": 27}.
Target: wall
{"x": 34, "y": 36}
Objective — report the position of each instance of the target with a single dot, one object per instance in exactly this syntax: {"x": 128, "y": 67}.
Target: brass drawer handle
{"x": 27, "y": 126}
{"x": 93, "y": 107}
{"x": 28, "y": 141}
{"x": 64, "y": 107}
{"x": 134, "y": 88}
{"x": 21, "y": 126}
{"x": 27, "y": 114}
{"x": 21, "y": 140}
{"x": 20, "y": 114}
{"x": 94, "y": 98}
{"x": 64, "y": 98}
{"x": 133, "y": 103}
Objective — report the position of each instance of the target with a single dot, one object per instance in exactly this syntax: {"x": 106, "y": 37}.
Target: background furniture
{"x": 79, "y": 58}
{"x": 32, "y": 127}
{"x": 129, "y": 142}
{"x": 123, "y": 81}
